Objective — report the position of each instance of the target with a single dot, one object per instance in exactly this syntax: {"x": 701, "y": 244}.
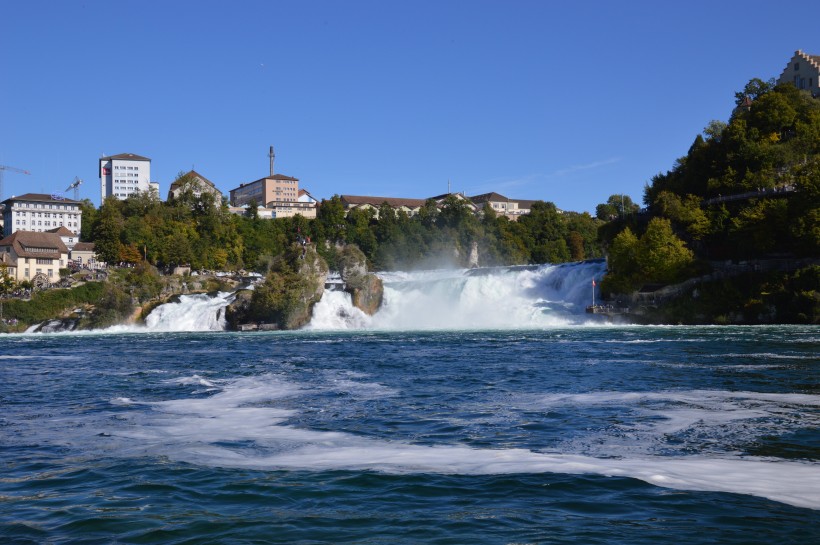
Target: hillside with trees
{"x": 746, "y": 191}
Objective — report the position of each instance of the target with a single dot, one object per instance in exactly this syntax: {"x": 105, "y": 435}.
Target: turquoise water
{"x": 558, "y": 435}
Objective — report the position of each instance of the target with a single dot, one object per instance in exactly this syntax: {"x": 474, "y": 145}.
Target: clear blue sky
{"x": 567, "y": 102}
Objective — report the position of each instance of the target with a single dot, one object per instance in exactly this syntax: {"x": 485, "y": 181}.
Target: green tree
{"x": 108, "y": 230}
{"x": 7, "y": 283}
{"x": 662, "y": 256}
{"x": 754, "y": 89}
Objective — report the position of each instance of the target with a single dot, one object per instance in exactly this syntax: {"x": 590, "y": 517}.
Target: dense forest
{"x": 195, "y": 230}
{"x": 746, "y": 189}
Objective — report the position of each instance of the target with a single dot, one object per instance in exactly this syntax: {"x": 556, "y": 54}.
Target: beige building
{"x": 197, "y": 183}
{"x": 276, "y": 196}
{"x": 68, "y": 238}
{"x": 84, "y": 256}
{"x": 36, "y": 257}
{"x": 511, "y": 208}
{"x": 803, "y": 71}
{"x": 273, "y": 188}
{"x": 410, "y": 206}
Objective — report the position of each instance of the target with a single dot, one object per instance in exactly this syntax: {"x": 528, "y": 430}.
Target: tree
{"x": 662, "y": 256}
{"x": 108, "y": 230}
{"x": 7, "y": 283}
{"x": 331, "y": 216}
{"x": 618, "y": 205}
{"x": 754, "y": 89}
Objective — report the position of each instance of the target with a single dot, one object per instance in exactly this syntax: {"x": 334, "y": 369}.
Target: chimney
{"x": 272, "y": 156}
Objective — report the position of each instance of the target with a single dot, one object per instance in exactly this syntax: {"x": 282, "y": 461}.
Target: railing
{"x": 777, "y": 191}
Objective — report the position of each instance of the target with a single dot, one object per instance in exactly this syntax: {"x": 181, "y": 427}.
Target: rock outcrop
{"x": 295, "y": 282}
{"x": 366, "y": 289}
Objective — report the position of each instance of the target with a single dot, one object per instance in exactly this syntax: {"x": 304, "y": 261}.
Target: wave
{"x": 242, "y": 426}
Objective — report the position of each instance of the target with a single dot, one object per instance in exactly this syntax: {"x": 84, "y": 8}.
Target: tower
{"x": 272, "y": 156}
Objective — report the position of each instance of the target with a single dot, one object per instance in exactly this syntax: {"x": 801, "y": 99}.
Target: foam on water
{"x": 242, "y": 426}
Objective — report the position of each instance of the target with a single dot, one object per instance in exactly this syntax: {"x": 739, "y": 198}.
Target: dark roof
{"x": 487, "y": 197}
{"x": 40, "y": 197}
{"x": 61, "y": 231}
{"x": 83, "y": 247}
{"x": 126, "y": 157}
{"x": 278, "y": 177}
{"x": 24, "y": 241}
{"x": 445, "y": 195}
{"x": 378, "y": 201}
{"x": 176, "y": 183}
{"x": 497, "y": 197}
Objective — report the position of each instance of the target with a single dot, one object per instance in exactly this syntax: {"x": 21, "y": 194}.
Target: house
{"x": 39, "y": 213}
{"x": 511, "y": 208}
{"x": 803, "y": 70}
{"x": 124, "y": 174}
{"x": 410, "y": 206}
{"x": 68, "y": 238}
{"x": 36, "y": 257}
{"x": 197, "y": 184}
{"x": 84, "y": 256}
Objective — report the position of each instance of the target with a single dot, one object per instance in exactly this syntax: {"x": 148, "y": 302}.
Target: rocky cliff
{"x": 365, "y": 289}
{"x": 295, "y": 282}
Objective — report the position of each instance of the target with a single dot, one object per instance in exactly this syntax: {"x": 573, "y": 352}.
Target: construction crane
{"x": 3, "y": 169}
{"x": 75, "y": 185}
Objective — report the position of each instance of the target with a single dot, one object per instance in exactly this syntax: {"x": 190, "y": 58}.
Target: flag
{"x": 593, "y": 282}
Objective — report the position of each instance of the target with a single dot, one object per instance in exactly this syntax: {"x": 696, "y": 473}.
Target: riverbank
{"x": 745, "y": 296}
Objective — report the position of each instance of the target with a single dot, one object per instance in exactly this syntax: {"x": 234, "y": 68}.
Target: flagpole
{"x": 593, "y": 293}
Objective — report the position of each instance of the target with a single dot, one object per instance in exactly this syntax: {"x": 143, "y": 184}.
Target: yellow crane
{"x": 3, "y": 169}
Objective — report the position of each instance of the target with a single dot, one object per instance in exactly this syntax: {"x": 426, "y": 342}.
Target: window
{"x": 796, "y": 66}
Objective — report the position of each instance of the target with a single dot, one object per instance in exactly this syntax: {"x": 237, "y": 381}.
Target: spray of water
{"x": 496, "y": 298}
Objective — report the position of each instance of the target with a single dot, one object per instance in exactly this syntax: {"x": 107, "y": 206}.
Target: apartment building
{"x": 125, "y": 174}
{"x": 39, "y": 213}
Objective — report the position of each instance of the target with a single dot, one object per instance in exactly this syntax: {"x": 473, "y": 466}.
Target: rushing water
{"x": 552, "y": 430}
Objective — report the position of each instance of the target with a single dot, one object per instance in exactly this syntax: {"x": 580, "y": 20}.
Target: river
{"x": 440, "y": 421}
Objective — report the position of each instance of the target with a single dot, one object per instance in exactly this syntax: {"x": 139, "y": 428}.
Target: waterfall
{"x": 489, "y": 298}
{"x": 191, "y": 313}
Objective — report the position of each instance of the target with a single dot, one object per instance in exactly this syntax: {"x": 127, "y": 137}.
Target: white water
{"x": 499, "y": 298}
{"x": 212, "y": 431}
{"x": 453, "y": 299}
{"x": 191, "y": 313}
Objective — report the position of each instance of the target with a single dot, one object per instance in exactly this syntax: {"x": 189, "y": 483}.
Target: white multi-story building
{"x": 40, "y": 213}
{"x": 124, "y": 174}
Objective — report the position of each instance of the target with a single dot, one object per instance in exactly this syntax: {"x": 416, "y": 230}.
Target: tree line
{"x": 198, "y": 230}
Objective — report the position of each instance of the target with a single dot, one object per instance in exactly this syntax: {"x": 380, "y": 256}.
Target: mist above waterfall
{"x": 491, "y": 298}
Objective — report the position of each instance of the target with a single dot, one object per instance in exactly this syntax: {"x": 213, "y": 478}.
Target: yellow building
{"x": 36, "y": 257}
